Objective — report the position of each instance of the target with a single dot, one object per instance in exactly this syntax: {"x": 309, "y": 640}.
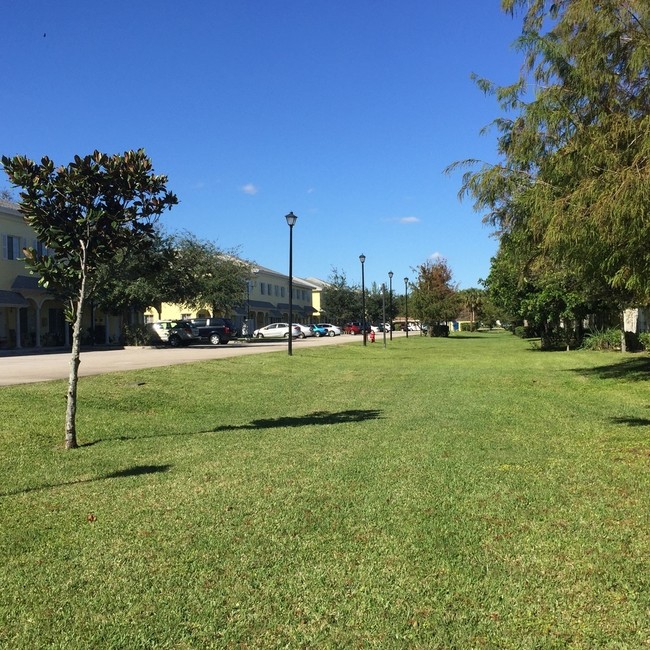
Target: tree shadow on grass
{"x": 637, "y": 369}
{"x": 136, "y": 470}
{"x": 317, "y": 418}
{"x": 632, "y": 422}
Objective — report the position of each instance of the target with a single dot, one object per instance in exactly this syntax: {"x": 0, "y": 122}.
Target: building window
{"x": 277, "y": 291}
{"x": 41, "y": 249}
{"x": 282, "y": 292}
{"x": 12, "y": 247}
{"x": 262, "y": 285}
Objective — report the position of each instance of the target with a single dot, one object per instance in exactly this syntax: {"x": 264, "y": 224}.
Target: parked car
{"x": 305, "y": 330}
{"x": 319, "y": 330}
{"x": 355, "y": 328}
{"x": 332, "y": 330}
{"x": 217, "y": 331}
{"x": 173, "y": 332}
{"x": 276, "y": 331}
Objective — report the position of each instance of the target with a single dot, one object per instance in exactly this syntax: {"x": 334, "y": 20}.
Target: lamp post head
{"x": 390, "y": 274}
{"x": 406, "y": 281}
{"x": 362, "y": 258}
{"x": 291, "y": 219}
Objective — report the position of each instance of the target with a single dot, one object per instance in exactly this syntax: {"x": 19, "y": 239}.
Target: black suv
{"x": 215, "y": 330}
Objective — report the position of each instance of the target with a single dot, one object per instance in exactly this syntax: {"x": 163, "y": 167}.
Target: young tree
{"x": 434, "y": 298}
{"x": 86, "y": 213}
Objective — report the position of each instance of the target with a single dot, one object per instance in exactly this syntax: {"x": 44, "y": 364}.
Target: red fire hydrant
{"x": 372, "y": 336}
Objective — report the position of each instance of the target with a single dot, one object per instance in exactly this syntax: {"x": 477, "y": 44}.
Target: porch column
{"x": 18, "y": 334}
{"x": 38, "y": 326}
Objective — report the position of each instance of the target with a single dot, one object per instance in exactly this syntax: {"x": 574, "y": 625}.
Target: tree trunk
{"x": 73, "y": 379}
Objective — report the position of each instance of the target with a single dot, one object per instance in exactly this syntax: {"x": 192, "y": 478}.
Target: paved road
{"x": 30, "y": 368}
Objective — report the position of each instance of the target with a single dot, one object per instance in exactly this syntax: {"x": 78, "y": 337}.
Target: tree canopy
{"x": 341, "y": 302}
{"x": 207, "y": 276}
{"x": 573, "y": 182}
{"x": 434, "y": 297}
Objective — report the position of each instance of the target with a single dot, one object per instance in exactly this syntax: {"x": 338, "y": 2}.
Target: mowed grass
{"x": 460, "y": 493}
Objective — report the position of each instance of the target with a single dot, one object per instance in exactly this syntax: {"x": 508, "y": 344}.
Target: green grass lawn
{"x": 453, "y": 493}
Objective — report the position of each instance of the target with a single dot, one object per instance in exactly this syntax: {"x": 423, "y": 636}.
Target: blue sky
{"x": 345, "y": 112}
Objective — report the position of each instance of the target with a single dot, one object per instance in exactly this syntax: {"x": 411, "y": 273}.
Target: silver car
{"x": 332, "y": 330}
{"x": 276, "y": 331}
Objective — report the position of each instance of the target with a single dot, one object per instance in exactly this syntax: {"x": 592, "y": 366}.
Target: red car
{"x": 355, "y": 328}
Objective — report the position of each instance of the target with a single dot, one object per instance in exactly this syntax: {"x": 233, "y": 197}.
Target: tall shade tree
{"x": 87, "y": 213}
{"x": 208, "y": 276}
{"x": 575, "y": 142}
{"x": 340, "y": 302}
{"x": 135, "y": 280}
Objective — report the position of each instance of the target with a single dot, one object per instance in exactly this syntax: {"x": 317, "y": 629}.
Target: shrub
{"x": 644, "y": 340}
{"x": 438, "y": 330}
{"x": 609, "y": 339}
{"x": 525, "y": 332}
{"x": 135, "y": 335}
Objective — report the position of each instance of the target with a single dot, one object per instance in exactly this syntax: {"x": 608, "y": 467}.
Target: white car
{"x": 276, "y": 331}
{"x": 332, "y": 330}
{"x": 305, "y": 330}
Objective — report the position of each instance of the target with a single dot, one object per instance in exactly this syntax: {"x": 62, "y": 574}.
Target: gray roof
{"x": 29, "y": 282}
{"x": 12, "y": 299}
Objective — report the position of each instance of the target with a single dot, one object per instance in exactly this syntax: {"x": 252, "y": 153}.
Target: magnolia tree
{"x": 87, "y": 214}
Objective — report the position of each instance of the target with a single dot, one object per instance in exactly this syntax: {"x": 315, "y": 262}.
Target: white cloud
{"x": 401, "y": 220}
{"x": 435, "y": 256}
{"x": 249, "y": 188}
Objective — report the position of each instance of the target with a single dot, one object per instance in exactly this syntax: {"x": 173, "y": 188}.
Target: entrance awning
{"x": 12, "y": 299}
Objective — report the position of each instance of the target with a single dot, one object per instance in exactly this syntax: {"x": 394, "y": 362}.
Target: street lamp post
{"x": 390, "y": 303}
{"x": 291, "y": 221}
{"x": 406, "y": 305}
{"x": 383, "y": 310}
{"x": 249, "y": 286}
{"x": 362, "y": 259}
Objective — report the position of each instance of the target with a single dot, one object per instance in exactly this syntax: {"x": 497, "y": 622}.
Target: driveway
{"x": 29, "y": 368}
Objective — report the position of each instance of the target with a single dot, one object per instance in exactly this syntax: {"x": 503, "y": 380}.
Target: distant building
{"x": 267, "y": 301}
{"x": 30, "y": 316}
